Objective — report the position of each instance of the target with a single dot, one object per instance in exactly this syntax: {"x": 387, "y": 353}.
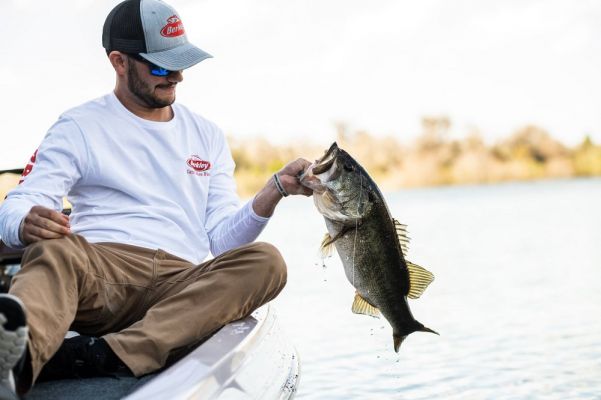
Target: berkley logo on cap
{"x": 198, "y": 164}
{"x": 174, "y": 27}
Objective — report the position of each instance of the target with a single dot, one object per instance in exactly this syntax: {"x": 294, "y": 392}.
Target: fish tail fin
{"x": 419, "y": 327}
{"x": 399, "y": 338}
{"x": 425, "y": 329}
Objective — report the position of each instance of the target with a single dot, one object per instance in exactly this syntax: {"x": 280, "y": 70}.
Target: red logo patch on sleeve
{"x": 174, "y": 27}
{"x": 28, "y": 167}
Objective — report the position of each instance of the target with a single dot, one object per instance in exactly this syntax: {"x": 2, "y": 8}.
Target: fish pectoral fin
{"x": 327, "y": 246}
{"x": 361, "y": 306}
{"x": 419, "y": 279}
{"x": 402, "y": 235}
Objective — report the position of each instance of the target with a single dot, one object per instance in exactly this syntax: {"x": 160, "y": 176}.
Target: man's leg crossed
{"x": 192, "y": 303}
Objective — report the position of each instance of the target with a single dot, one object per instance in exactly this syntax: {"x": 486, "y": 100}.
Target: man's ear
{"x": 119, "y": 62}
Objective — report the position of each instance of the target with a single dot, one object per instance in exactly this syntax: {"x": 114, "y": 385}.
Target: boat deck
{"x": 246, "y": 359}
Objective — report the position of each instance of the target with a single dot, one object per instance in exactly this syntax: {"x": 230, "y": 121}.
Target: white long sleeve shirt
{"x": 160, "y": 185}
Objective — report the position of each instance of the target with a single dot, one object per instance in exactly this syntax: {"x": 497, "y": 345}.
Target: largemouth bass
{"x": 371, "y": 244}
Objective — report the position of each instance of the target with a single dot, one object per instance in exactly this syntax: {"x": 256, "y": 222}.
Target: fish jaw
{"x": 324, "y": 197}
{"x": 337, "y": 183}
{"x": 321, "y": 178}
{"x": 312, "y": 181}
{"x": 326, "y": 161}
{"x": 322, "y": 171}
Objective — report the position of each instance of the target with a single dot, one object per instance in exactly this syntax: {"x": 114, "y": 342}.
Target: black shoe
{"x": 82, "y": 357}
{"x": 13, "y": 342}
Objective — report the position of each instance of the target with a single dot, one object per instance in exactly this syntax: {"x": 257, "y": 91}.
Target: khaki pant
{"x": 144, "y": 303}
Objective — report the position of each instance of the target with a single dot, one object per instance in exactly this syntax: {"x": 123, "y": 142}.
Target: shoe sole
{"x": 13, "y": 335}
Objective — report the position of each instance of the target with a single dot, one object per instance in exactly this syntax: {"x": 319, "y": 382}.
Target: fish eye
{"x": 348, "y": 167}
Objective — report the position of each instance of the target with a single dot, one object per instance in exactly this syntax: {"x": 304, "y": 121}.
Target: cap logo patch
{"x": 174, "y": 27}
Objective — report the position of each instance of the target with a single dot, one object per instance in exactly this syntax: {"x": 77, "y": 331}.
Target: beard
{"x": 143, "y": 92}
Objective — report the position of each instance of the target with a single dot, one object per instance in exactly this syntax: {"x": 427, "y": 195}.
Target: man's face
{"x": 152, "y": 91}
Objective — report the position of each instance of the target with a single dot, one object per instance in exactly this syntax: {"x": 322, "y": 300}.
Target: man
{"x": 152, "y": 190}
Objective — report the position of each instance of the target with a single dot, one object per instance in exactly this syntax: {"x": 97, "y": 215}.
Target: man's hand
{"x": 265, "y": 201}
{"x": 289, "y": 177}
{"x": 43, "y": 223}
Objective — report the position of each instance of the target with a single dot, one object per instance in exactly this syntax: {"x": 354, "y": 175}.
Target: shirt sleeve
{"x": 56, "y": 167}
{"x": 228, "y": 225}
{"x": 240, "y": 228}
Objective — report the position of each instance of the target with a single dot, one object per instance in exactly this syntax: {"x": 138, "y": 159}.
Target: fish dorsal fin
{"x": 401, "y": 232}
{"x": 419, "y": 279}
{"x": 327, "y": 246}
{"x": 361, "y": 306}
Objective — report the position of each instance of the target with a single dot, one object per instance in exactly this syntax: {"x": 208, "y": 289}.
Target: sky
{"x": 291, "y": 70}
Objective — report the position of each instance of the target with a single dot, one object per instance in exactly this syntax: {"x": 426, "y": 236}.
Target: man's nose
{"x": 175, "y": 76}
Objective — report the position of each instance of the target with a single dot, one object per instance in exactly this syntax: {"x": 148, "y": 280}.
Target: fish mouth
{"x": 325, "y": 163}
{"x": 333, "y": 199}
{"x": 310, "y": 177}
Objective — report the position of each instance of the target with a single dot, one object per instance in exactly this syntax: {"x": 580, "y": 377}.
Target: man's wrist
{"x": 21, "y": 228}
{"x": 279, "y": 186}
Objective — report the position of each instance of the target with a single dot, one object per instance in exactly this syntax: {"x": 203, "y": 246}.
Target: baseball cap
{"x": 152, "y": 29}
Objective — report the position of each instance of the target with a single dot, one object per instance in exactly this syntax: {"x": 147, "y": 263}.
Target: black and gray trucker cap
{"x": 153, "y": 30}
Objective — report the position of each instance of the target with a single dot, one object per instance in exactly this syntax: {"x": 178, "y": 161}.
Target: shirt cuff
{"x": 13, "y": 223}
{"x": 253, "y": 214}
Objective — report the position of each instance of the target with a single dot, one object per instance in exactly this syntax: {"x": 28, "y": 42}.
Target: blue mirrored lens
{"x": 158, "y": 71}
{"x": 154, "y": 69}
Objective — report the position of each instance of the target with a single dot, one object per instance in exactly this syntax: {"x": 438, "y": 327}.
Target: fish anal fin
{"x": 419, "y": 279}
{"x": 361, "y": 306}
{"x": 327, "y": 246}
{"x": 401, "y": 232}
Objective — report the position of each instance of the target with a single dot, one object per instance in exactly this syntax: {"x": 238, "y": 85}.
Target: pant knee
{"x": 56, "y": 254}
{"x": 272, "y": 264}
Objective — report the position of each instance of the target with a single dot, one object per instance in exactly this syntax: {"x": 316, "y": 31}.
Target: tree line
{"x": 433, "y": 158}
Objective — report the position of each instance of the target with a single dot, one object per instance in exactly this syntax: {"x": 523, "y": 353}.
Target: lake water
{"x": 516, "y": 299}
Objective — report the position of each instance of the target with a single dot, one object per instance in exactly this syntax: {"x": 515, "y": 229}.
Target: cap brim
{"x": 178, "y": 58}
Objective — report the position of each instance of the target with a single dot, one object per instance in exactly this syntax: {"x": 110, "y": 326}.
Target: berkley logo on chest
{"x": 174, "y": 27}
{"x": 198, "y": 165}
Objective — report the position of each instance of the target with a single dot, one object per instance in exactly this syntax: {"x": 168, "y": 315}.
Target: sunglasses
{"x": 154, "y": 69}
